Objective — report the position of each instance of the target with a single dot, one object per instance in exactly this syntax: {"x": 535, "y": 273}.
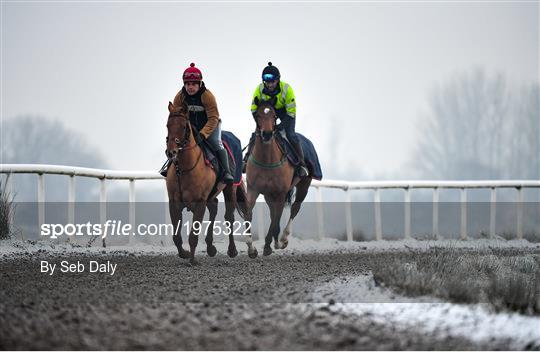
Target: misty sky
{"x": 364, "y": 70}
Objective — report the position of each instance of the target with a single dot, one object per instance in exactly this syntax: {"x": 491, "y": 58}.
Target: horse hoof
{"x": 284, "y": 244}
{"x": 232, "y": 252}
{"x": 184, "y": 254}
{"x": 267, "y": 250}
{"x": 211, "y": 250}
{"x": 193, "y": 262}
{"x": 253, "y": 254}
{"x": 276, "y": 245}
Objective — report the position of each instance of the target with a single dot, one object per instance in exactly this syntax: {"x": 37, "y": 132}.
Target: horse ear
{"x": 256, "y": 101}
{"x": 170, "y": 107}
{"x": 273, "y": 101}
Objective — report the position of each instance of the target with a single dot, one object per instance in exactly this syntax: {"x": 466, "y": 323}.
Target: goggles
{"x": 269, "y": 77}
{"x": 192, "y": 75}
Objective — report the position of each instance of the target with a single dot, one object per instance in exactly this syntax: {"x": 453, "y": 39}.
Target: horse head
{"x": 266, "y": 119}
{"x": 178, "y": 130}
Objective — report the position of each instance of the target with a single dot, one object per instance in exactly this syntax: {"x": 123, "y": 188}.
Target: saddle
{"x": 311, "y": 158}
{"x": 286, "y": 146}
{"x": 210, "y": 158}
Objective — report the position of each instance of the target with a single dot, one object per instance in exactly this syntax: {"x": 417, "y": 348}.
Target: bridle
{"x": 264, "y": 134}
{"x": 181, "y": 146}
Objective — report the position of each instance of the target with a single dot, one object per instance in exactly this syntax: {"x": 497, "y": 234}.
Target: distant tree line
{"x": 37, "y": 140}
{"x": 477, "y": 127}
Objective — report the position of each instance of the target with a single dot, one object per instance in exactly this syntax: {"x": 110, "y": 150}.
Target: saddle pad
{"x": 310, "y": 154}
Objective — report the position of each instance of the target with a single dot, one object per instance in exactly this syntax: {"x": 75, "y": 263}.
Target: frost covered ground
{"x": 312, "y": 295}
{"x": 475, "y": 322}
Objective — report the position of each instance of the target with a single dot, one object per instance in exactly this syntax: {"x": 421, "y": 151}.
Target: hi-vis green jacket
{"x": 285, "y": 98}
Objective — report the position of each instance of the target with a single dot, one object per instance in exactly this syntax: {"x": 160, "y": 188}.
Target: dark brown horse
{"x": 269, "y": 173}
{"x": 190, "y": 182}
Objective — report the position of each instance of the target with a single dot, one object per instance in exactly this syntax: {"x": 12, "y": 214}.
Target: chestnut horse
{"x": 270, "y": 173}
{"x": 190, "y": 182}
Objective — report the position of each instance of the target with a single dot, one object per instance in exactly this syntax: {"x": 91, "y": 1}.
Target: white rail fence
{"x": 132, "y": 176}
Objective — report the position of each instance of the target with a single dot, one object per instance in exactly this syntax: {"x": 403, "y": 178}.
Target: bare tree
{"x": 524, "y": 156}
{"x": 29, "y": 140}
{"x": 476, "y": 127}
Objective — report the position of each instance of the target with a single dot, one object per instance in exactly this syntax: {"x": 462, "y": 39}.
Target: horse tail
{"x": 241, "y": 199}
{"x": 290, "y": 196}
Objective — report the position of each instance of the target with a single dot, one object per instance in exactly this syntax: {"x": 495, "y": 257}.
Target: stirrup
{"x": 302, "y": 171}
{"x": 227, "y": 178}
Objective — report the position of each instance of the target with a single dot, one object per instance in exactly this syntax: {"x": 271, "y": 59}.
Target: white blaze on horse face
{"x": 266, "y": 110}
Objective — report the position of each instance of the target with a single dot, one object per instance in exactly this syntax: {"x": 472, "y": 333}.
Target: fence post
{"x": 378, "y": 223}
{"x": 520, "y": 213}
{"x": 320, "y": 215}
{"x": 131, "y": 206}
{"x": 103, "y": 206}
{"x": 492, "y": 213}
{"x": 463, "y": 234}
{"x": 71, "y": 203}
{"x": 407, "y": 213}
{"x": 435, "y": 207}
{"x": 348, "y": 214}
{"x": 11, "y": 197}
{"x": 41, "y": 202}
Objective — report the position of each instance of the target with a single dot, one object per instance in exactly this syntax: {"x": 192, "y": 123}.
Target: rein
{"x": 268, "y": 166}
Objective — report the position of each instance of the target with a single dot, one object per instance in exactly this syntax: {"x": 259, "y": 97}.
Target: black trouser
{"x": 288, "y": 123}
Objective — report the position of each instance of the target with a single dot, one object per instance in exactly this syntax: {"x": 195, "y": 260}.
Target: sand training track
{"x": 158, "y": 302}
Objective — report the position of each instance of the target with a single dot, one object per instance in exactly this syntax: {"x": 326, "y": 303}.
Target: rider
{"x": 285, "y": 107}
{"x": 203, "y": 115}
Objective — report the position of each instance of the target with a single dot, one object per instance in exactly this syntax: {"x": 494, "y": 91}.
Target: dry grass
{"x": 6, "y": 210}
{"x": 505, "y": 279}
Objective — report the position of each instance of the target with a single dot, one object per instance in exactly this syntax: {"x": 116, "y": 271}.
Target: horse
{"x": 191, "y": 184}
{"x": 270, "y": 173}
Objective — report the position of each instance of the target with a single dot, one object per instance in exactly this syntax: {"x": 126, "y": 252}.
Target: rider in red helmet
{"x": 203, "y": 115}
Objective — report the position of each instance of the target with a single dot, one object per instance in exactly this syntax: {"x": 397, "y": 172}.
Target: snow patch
{"x": 475, "y": 322}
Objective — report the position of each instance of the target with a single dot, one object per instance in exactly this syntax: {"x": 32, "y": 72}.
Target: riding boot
{"x": 224, "y": 161}
{"x": 164, "y": 168}
{"x": 248, "y": 153}
{"x": 301, "y": 169}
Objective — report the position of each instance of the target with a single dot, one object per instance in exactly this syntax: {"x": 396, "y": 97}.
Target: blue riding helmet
{"x": 270, "y": 73}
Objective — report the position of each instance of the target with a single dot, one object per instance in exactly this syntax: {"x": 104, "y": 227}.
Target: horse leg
{"x": 251, "y": 200}
{"x": 212, "y": 208}
{"x": 175, "y": 210}
{"x": 276, "y": 206}
{"x": 301, "y": 193}
{"x": 198, "y": 214}
{"x": 229, "y": 217}
{"x": 229, "y": 194}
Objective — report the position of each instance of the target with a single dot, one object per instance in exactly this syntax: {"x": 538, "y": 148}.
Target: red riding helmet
{"x": 192, "y": 74}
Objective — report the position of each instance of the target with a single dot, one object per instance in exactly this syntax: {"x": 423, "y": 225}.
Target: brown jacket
{"x": 210, "y": 107}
